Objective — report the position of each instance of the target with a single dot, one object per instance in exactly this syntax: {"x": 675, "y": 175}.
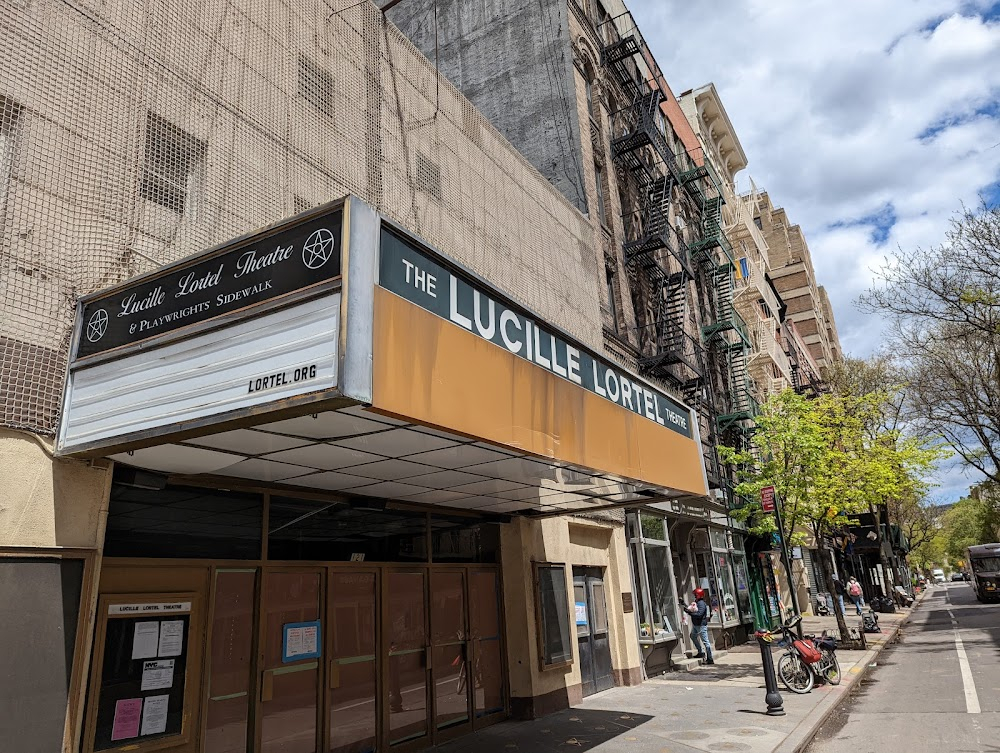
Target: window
{"x": 705, "y": 570}
{"x": 602, "y": 213}
{"x": 316, "y": 85}
{"x": 179, "y": 521}
{"x": 552, "y": 616}
{"x": 742, "y": 581}
{"x": 756, "y": 221}
{"x": 653, "y": 583}
{"x": 609, "y": 277}
{"x": 727, "y": 595}
{"x": 174, "y": 166}
{"x": 10, "y": 115}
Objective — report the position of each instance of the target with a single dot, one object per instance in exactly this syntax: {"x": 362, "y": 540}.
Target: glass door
{"x": 451, "y": 653}
{"x": 352, "y": 666}
{"x": 405, "y": 648}
{"x": 290, "y": 650}
{"x": 486, "y": 678}
{"x": 232, "y": 647}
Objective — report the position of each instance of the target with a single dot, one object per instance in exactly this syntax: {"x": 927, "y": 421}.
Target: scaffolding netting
{"x": 137, "y": 132}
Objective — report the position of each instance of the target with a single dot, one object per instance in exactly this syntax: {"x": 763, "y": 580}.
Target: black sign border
{"x": 227, "y": 317}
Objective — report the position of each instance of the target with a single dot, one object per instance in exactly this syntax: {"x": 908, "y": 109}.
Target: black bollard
{"x": 775, "y": 706}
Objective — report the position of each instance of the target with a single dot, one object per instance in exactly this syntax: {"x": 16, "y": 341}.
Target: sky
{"x": 869, "y": 121}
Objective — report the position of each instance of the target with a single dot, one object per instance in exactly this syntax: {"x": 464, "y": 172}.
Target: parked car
{"x": 957, "y": 577}
{"x": 938, "y": 575}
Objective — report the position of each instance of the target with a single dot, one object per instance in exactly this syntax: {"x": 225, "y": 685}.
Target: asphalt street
{"x": 936, "y": 690}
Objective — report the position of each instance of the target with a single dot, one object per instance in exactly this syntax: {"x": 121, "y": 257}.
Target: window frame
{"x": 162, "y": 186}
{"x": 10, "y": 134}
{"x": 711, "y": 555}
{"x": 570, "y": 635}
{"x": 638, "y": 541}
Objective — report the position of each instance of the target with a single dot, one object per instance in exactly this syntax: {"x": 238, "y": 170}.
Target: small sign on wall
{"x": 581, "y": 613}
{"x": 300, "y": 640}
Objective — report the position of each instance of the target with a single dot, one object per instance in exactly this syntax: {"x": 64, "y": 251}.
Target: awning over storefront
{"x": 337, "y": 352}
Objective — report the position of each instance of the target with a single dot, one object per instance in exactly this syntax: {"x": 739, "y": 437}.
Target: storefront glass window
{"x": 552, "y": 603}
{"x": 718, "y": 538}
{"x": 706, "y": 580}
{"x": 182, "y": 521}
{"x": 727, "y": 594}
{"x": 301, "y": 529}
{"x": 742, "y": 586}
{"x": 655, "y": 595}
{"x": 662, "y": 596}
{"x": 462, "y": 540}
{"x": 653, "y": 527}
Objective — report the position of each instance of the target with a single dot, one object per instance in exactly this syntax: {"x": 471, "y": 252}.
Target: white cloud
{"x": 846, "y": 109}
{"x": 849, "y": 111}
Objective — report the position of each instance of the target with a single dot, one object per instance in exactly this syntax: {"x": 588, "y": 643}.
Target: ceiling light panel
{"x": 326, "y": 457}
{"x": 264, "y": 470}
{"x": 248, "y": 442}
{"x": 393, "y": 470}
{"x": 396, "y": 443}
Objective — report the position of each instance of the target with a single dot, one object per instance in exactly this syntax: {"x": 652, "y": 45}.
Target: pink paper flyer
{"x": 128, "y": 713}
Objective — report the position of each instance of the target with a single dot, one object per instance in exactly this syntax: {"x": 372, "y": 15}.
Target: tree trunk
{"x": 889, "y": 572}
{"x": 827, "y": 567}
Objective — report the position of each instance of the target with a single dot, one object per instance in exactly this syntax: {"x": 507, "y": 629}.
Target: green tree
{"x": 962, "y": 527}
{"x": 828, "y": 460}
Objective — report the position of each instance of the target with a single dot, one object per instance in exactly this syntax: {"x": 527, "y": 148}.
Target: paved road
{"x": 936, "y": 691}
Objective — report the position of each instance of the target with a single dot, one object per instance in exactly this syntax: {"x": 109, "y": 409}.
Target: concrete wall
{"x": 514, "y": 62}
{"x": 572, "y": 541}
{"x": 46, "y": 502}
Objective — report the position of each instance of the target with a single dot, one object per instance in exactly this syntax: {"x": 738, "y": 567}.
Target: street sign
{"x": 767, "y": 499}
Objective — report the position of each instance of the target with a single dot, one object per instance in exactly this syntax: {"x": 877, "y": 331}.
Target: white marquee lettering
{"x": 509, "y": 317}
{"x": 459, "y": 319}
{"x": 489, "y": 329}
{"x": 573, "y": 364}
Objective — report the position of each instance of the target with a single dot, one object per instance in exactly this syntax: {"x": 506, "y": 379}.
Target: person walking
{"x": 855, "y": 593}
{"x": 839, "y": 590}
{"x": 700, "y": 614}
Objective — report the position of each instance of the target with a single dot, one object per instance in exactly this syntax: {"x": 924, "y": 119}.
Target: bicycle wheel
{"x": 831, "y": 667}
{"x": 795, "y": 673}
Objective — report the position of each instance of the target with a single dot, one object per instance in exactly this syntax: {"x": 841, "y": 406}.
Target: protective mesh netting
{"x": 135, "y": 132}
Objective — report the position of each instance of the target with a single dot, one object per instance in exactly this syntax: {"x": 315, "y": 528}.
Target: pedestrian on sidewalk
{"x": 700, "y": 614}
{"x": 838, "y": 588}
{"x": 857, "y": 595}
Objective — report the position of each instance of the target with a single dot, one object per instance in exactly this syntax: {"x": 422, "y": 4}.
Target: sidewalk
{"x": 709, "y": 709}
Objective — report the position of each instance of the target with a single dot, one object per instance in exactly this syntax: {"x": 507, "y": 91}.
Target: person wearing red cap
{"x": 700, "y": 614}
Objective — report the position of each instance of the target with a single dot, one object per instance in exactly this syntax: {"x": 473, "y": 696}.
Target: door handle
{"x": 267, "y": 685}
{"x": 334, "y": 673}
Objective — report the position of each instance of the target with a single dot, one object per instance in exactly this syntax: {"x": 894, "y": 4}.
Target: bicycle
{"x": 804, "y": 660}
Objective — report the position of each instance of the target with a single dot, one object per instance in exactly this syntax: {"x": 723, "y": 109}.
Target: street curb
{"x": 806, "y": 730}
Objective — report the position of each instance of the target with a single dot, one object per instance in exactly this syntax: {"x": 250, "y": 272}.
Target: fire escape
{"x": 677, "y": 272}
{"x": 724, "y": 331}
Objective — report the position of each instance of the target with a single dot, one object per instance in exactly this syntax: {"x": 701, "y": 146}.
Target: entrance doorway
{"x": 376, "y": 658}
{"x": 592, "y": 629}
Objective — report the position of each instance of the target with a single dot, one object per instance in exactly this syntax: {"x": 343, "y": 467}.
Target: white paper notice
{"x": 145, "y": 639}
{"x": 157, "y": 675}
{"x": 154, "y": 715}
{"x": 293, "y": 638}
{"x": 310, "y": 642}
{"x": 171, "y": 638}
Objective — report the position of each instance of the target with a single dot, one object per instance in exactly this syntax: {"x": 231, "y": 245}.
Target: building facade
{"x": 687, "y": 300}
{"x": 795, "y": 279}
{"x": 313, "y": 433}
